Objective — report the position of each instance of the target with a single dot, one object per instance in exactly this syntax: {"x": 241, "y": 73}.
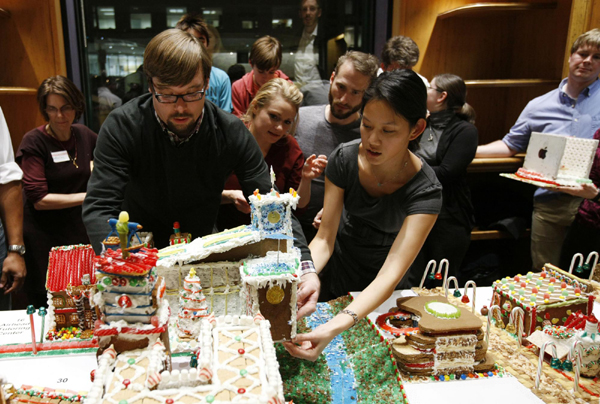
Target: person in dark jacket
{"x": 56, "y": 162}
{"x": 165, "y": 156}
{"x": 448, "y": 145}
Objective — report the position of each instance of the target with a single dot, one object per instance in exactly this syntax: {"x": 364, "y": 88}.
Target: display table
{"x": 73, "y": 371}
{"x": 505, "y": 390}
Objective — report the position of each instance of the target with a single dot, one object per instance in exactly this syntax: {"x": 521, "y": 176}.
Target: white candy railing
{"x": 541, "y": 361}
{"x": 178, "y": 378}
{"x": 517, "y": 314}
{"x": 593, "y": 254}
{"x": 446, "y": 269}
{"x": 576, "y": 356}
{"x": 574, "y": 259}
{"x": 489, "y": 320}
{"x": 447, "y": 285}
{"x": 474, "y": 287}
{"x": 431, "y": 264}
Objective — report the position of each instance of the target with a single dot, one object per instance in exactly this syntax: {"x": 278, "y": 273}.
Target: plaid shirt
{"x": 176, "y": 140}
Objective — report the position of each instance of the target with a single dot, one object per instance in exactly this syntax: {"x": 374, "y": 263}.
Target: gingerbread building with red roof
{"x": 70, "y": 282}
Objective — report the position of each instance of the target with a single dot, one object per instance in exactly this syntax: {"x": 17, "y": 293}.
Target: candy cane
{"x": 578, "y": 255}
{"x": 489, "y": 320}
{"x": 541, "y": 361}
{"x": 446, "y": 268}
{"x": 576, "y": 356}
{"x": 474, "y": 285}
{"x": 447, "y": 284}
{"x": 593, "y": 254}
{"x": 518, "y": 314}
{"x": 431, "y": 263}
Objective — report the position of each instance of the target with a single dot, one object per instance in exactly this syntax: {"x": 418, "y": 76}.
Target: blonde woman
{"x": 272, "y": 118}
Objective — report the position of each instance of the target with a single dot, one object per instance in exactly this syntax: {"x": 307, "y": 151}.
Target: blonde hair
{"x": 590, "y": 38}
{"x": 267, "y": 93}
{"x": 174, "y": 57}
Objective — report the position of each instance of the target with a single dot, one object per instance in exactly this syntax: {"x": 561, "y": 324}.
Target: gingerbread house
{"x": 217, "y": 257}
{"x": 70, "y": 283}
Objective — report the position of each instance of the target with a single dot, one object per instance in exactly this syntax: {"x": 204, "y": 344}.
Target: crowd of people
{"x": 380, "y": 165}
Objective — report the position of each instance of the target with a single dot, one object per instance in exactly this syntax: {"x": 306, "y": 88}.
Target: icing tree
{"x": 193, "y": 306}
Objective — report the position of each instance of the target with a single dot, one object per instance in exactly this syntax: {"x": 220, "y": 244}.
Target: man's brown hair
{"x": 400, "y": 49}
{"x": 266, "y": 53}
{"x": 174, "y": 57}
{"x": 194, "y": 22}
{"x": 363, "y": 63}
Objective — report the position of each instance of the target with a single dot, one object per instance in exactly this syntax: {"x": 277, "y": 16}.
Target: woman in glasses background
{"x": 448, "y": 145}
{"x": 56, "y": 159}
{"x": 272, "y": 118}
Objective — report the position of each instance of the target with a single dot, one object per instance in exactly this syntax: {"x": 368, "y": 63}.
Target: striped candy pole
{"x": 489, "y": 320}
{"x": 576, "y": 356}
{"x": 448, "y": 282}
{"x": 31, "y": 311}
{"x": 431, "y": 264}
{"x": 541, "y": 361}
{"x": 517, "y": 318}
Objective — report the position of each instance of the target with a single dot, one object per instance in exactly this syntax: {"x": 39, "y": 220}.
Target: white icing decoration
{"x": 442, "y": 310}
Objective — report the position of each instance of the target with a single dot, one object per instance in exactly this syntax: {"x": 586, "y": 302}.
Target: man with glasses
{"x": 164, "y": 156}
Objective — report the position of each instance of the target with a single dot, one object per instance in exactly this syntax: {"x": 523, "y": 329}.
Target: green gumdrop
{"x": 555, "y": 363}
{"x": 106, "y": 280}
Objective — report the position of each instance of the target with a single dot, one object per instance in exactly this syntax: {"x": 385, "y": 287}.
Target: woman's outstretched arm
{"x": 322, "y": 245}
{"x": 407, "y": 245}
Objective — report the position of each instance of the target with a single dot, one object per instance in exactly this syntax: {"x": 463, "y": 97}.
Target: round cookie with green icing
{"x": 442, "y": 310}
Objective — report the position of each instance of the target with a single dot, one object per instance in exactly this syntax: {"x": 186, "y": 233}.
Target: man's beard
{"x": 339, "y": 115}
{"x": 185, "y": 132}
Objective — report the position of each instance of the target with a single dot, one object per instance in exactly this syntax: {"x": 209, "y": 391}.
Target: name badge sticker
{"x": 60, "y": 156}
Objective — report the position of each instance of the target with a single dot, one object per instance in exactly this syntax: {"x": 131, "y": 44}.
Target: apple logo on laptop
{"x": 542, "y": 153}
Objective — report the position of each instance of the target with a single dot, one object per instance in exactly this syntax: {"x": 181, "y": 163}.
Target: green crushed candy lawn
{"x": 304, "y": 382}
{"x": 309, "y": 382}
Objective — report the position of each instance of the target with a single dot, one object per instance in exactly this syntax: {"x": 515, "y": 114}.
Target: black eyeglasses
{"x": 436, "y": 89}
{"x": 172, "y": 98}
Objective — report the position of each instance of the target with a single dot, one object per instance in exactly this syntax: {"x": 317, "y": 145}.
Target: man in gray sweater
{"x": 322, "y": 128}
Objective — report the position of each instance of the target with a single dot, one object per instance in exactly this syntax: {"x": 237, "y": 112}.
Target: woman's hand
{"x": 588, "y": 191}
{"x": 237, "y": 198}
{"x": 309, "y": 346}
{"x": 314, "y": 167}
{"x": 308, "y": 294}
{"x": 317, "y": 220}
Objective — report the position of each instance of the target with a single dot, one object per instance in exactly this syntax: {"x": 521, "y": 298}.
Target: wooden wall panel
{"x": 507, "y": 104}
{"x": 33, "y": 50}
{"x": 510, "y": 44}
{"x": 23, "y": 108}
